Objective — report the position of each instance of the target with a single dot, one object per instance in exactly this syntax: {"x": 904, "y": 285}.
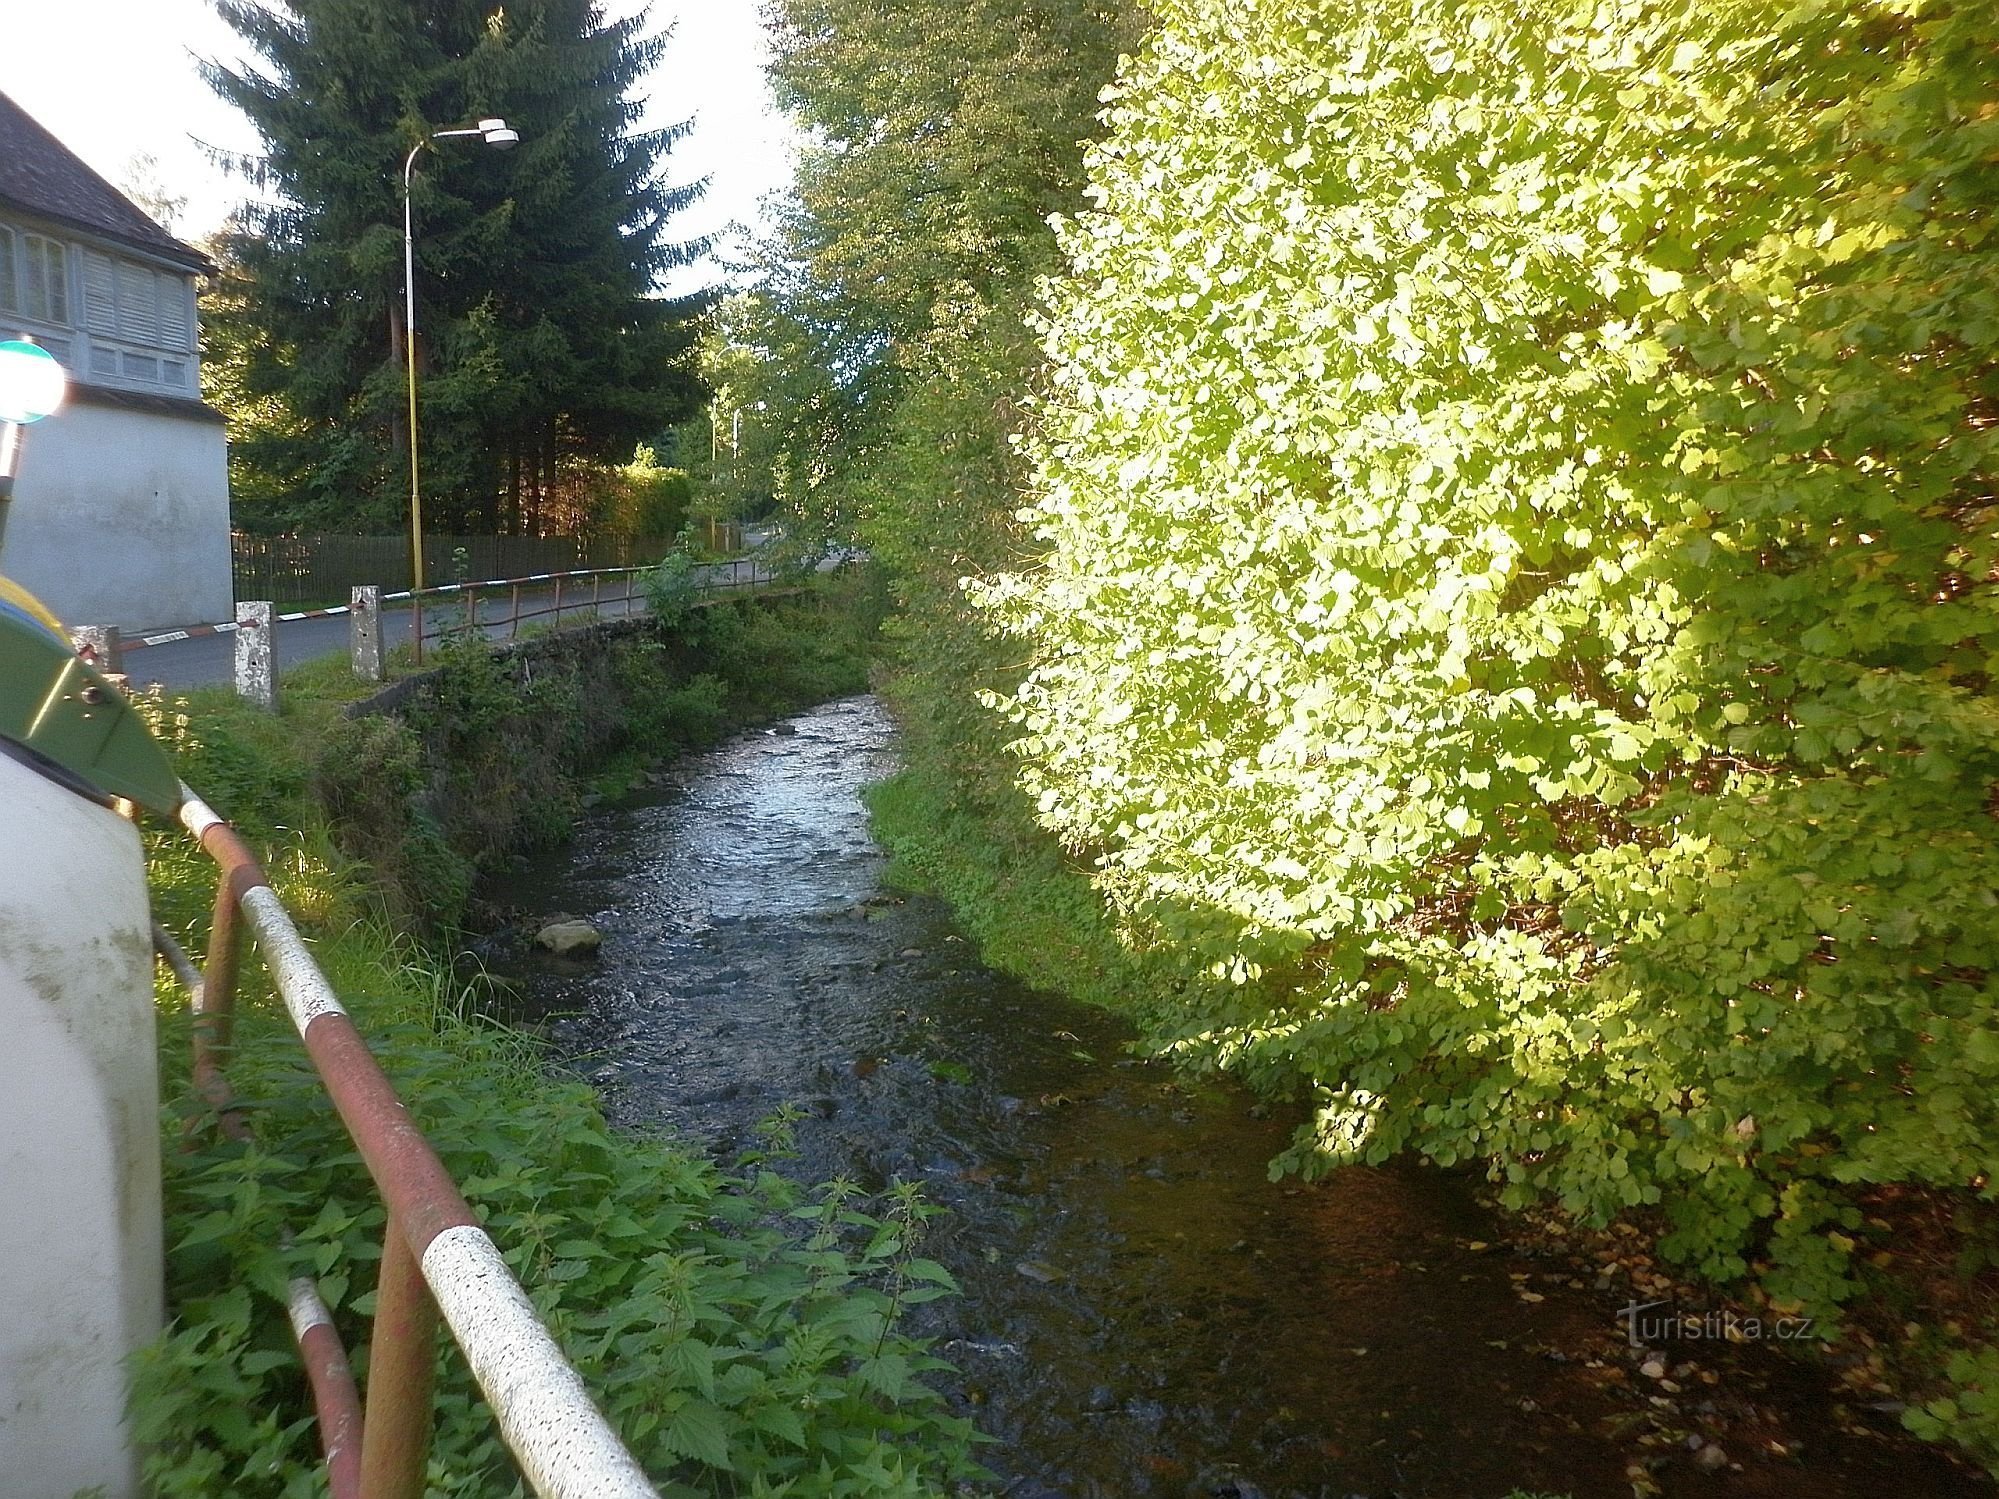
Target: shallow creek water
{"x": 1145, "y": 1313}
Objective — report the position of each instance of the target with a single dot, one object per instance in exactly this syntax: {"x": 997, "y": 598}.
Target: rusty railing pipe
{"x": 565, "y": 1448}
{"x": 402, "y": 1366}
{"x": 334, "y": 1397}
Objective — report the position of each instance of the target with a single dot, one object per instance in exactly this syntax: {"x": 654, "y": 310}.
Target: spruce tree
{"x": 544, "y": 350}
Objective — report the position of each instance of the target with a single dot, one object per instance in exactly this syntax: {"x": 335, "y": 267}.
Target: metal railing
{"x": 318, "y": 569}
{"x": 436, "y": 1259}
{"x": 581, "y": 592}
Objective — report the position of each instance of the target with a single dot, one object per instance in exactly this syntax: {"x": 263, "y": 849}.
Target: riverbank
{"x": 1143, "y": 1312}
{"x": 1910, "y": 1356}
{"x": 737, "y": 1328}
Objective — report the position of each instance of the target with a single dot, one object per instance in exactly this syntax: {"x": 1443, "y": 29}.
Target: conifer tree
{"x": 544, "y": 350}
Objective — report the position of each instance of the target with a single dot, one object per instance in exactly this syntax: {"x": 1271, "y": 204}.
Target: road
{"x": 204, "y": 660}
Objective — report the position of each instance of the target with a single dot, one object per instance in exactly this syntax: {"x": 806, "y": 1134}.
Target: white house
{"x": 121, "y": 507}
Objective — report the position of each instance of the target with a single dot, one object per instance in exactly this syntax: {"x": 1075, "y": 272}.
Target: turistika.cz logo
{"x": 1649, "y": 1322}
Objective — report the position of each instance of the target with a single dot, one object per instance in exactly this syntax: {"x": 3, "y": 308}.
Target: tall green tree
{"x": 545, "y": 351}
{"x": 891, "y": 322}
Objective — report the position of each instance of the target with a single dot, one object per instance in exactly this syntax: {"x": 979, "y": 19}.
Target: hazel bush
{"x": 1517, "y": 606}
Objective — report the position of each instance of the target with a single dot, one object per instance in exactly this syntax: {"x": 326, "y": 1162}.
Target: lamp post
{"x": 32, "y": 385}
{"x": 495, "y": 133}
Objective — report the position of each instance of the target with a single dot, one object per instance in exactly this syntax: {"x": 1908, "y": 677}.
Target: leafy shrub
{"x": 647, "y": 500}
{"x": 739, "y": 1331}
{"x": 371, "y": 780}
{"x": 1969, "y": 1413}
{"x": 1518, "y": 491}
{"x": 772, "y": 658}
{"x": 672, "y": 587}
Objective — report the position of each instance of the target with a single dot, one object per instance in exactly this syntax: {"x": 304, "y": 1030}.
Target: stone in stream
{"x": 569, "y": 939}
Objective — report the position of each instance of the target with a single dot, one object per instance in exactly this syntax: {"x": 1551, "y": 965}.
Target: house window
{"x": 125, "y": 300}
{"x": 44, "y": 280}
{"x": 34, "y": 277}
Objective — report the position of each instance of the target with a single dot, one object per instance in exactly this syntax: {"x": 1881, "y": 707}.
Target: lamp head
{"x": 32, "y": 384}
{"x": 497, "y": 134}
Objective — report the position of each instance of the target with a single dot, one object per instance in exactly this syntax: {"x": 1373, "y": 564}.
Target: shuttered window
{"x": 138, "y": 313}
{"x": 122, "y": 302}
{"x": 135, "y": 303}
{"x": 100, "y": 293}
{"x": 173, "y": 312}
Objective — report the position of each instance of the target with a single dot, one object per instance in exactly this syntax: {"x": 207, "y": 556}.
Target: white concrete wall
{"x": 80, "y": 1266}
{"x": 122, "y": 518}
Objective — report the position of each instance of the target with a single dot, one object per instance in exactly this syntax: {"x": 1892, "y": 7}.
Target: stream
{"x": 1144, "y": 1312}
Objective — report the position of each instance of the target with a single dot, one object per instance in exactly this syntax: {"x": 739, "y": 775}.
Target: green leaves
{"x": 1524, "y": 661}
{"x": 727, "y": 1347}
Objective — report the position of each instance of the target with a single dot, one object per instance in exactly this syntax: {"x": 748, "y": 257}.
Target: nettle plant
{"x": 1517, "y": 491}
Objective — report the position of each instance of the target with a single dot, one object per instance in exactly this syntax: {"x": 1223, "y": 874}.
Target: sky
{"x": 117, "y": 79}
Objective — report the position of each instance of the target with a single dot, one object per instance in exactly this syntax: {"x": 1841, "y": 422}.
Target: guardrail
{"x": 710, "y": 577}
{"x": 436, "y": 1259}
{"x": 295, "y": 570}
{"x": 583, "y": 592}
{"x": 729, "y": 573}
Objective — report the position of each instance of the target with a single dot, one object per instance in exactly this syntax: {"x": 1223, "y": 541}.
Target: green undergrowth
{"x": 493, "y": 751}
{"x": 739, "y": 1330}
{"x": 1029, "y": 907}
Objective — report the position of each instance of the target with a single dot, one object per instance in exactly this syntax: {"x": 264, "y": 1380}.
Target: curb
{"x": 195, "y": 632}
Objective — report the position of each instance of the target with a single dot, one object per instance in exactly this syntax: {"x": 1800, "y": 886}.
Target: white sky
{"x": 113, "y": 79}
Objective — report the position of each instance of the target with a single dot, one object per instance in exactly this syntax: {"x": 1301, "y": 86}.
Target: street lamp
{"x": 32, "y": 385}
{"x": 494, "y": 133}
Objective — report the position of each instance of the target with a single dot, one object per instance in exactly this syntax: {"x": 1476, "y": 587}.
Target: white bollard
{"x": 256, "y": 654}
{"x": 365, "y": 613}
{"x": 101, "y": 646}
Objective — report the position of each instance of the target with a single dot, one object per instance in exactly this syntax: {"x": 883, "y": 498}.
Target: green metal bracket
{"x": 68, "y": 712}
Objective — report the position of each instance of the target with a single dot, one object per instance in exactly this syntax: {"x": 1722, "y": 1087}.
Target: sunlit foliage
{"x": 1518, "y": 607}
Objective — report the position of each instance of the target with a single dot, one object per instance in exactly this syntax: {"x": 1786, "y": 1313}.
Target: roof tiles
{"x": 41, "y": 176}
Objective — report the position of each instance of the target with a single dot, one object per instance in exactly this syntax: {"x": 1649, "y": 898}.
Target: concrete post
{"x": 101, "y": 646}
{"x": 79, "y": 1111}
{"x": 365, "y": 614}
{"x": 256, "y": 654}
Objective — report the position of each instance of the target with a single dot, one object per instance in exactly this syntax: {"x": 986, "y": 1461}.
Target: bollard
{"x": 364, "y": 610}
{"x": 256, "y": 654}
{"x": 101, "y": 647}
